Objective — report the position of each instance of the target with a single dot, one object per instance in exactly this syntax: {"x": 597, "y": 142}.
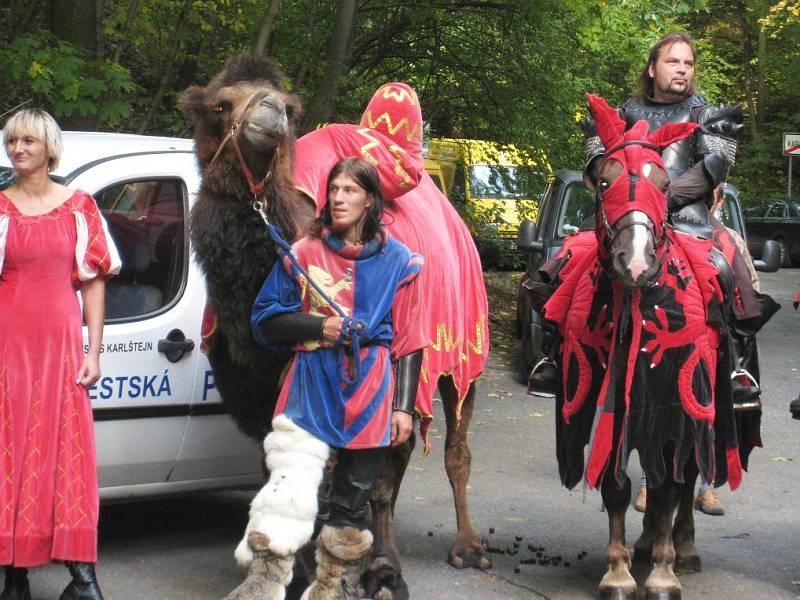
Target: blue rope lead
{"x": 350, "y": 326}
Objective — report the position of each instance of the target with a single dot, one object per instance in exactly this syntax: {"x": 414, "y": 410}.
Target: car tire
{"x": 786, "y": 260}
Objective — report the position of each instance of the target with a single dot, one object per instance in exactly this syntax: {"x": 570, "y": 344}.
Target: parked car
{"x": 568, "y": 206}
{"x": 775, "y": 219}
{"x": 160, "y": 426}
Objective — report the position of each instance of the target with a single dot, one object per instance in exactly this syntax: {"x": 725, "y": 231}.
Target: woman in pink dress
{"x": 53, "y": 243}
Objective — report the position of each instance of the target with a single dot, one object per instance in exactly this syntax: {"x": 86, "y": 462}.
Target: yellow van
{"x": 494, "y": 186}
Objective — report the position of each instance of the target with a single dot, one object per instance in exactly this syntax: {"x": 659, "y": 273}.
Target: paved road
{"x": 182, "y": 549}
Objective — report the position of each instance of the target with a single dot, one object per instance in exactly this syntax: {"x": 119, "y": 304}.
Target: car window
{"x": 147, "y": 221}
{"x": 576, "y": 209}
{"x": 7, "y": 177}
{"x": 777, "y": 211}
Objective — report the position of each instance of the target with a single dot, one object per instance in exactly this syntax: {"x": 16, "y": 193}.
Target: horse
{"x": 638, "y": 306}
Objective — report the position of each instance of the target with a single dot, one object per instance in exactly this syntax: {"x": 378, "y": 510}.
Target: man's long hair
{"x": 644, "y": 85}
{"x": 365, "y": 175}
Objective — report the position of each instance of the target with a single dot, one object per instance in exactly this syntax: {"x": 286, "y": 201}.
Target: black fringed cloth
{"x": 666, "y": 384}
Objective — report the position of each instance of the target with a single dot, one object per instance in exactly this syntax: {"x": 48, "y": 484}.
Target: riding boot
{"x": 746, "y": 392}
{"x": 794, "y": 408}
{"x": 84, "y": 583}
{"x": 545, "y": 377}
{"x": 16, "y": 585}
{"x": 340, "y": 556}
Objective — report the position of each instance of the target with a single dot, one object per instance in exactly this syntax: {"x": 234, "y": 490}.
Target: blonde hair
{"x": 38, "y": 124}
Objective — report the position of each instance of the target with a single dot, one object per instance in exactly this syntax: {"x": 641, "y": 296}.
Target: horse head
{"x": 632, "y": 193}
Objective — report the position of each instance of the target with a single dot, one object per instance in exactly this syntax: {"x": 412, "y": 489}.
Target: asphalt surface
{"x": 183, "y": 548}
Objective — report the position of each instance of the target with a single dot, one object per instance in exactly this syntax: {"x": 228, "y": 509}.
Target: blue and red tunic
{"x": 373, "y": 284}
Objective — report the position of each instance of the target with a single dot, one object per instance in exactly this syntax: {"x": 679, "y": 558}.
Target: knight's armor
{"x": 713, "y": 145}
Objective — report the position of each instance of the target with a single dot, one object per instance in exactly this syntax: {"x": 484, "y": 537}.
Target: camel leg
{"x": 617, "y": 583}
{"x": 467, "y": 549}
{"x": 662, "y": 584}
{"x": 383, "y": 579}
{"x": 687, "y": 558}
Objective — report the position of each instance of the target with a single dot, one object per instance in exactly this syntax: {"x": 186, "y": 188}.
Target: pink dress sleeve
{"x": 95, "y": 252}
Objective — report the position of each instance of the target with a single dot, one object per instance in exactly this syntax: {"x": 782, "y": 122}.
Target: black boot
{"x": 746, "y": 393}
{"x": 84, "y": 583}
{"x": 16, "y": 587}
{"x": 544, "y": 377}
{"x": 794, "y": 407}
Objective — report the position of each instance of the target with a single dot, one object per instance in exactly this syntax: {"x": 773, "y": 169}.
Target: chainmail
{"x": 726, "y": 146}
{"x": 593, "y": 144}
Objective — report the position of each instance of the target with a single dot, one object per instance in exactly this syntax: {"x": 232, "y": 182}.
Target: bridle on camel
{"x": 611, "y": 232}
{"x": 351, "y": 328}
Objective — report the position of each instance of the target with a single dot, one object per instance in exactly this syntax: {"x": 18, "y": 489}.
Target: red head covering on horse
{"x": 640, "y": 365}
{"x": 633, "y": 150}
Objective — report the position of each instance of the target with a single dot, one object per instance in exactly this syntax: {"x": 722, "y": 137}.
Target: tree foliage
{"x": 512, "y": 71}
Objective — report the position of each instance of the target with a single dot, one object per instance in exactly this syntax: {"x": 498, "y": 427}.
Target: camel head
{"x": 248, "y": 95}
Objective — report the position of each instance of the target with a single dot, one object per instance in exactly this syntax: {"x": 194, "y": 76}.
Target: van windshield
{"x": 515, "y": 183}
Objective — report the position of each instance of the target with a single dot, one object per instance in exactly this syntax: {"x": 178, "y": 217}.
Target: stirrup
{"x": 752, "y": 401}
{"x": 539, "y": 367}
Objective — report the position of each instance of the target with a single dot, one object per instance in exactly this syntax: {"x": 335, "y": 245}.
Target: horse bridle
{"x": 612, "y": 233}
{"x": 256, "y": 187}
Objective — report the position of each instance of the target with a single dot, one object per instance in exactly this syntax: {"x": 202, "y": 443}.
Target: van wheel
{"x": 786, "y": 260}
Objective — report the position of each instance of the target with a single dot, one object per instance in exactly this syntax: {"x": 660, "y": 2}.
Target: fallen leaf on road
{"x": 516, "y": 519}
{"x": 782, "y": 459}
{"x": 536, "y": 414}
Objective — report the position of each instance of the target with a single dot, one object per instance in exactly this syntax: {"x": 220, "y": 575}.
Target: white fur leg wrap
{"x": 285, "y": 508}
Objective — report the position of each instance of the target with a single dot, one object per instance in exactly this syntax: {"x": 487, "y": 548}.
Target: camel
{"x": 244, "y": 122}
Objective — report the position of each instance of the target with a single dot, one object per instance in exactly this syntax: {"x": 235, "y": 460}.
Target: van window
{"x": 147, "y": 220}
{"x": 458, "y": 193}
{"x": 577, "y": 210}
{"x": 513, "y": 182}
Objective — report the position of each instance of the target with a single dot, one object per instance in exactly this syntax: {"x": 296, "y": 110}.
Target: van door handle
{"x": 175, "y": 345}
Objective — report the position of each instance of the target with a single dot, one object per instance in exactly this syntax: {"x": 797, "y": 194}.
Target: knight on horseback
{"x": 696, "y": 165}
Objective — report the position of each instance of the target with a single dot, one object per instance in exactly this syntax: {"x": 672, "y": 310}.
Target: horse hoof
{"x": 663, "y": 595}
{"x": 617, "y": 594}
{"x": 685, "y": 565}
{"x": 470, "y": 555}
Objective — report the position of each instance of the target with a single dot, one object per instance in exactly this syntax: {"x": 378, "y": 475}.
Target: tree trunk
{"x": 339, "y": 46}
{"x": 760, "y": 66}
{"x": 748, "y": 71}
{"x": 100, "y": 34}
{"x": 267, "y": 25}
{"x": 126, "y": 33}
{"x": 75, "y": 21}
{"x": 166, "y": 77}
{"x": 27, "y": 17}
{"x": 313, "y": 7}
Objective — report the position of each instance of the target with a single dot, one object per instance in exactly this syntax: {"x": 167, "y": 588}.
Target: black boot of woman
{"x": 84, "y": 583}
{"x": 16, "y": 587}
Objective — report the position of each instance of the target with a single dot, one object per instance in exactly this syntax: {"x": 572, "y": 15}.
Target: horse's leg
{"x": 662, "y": 584}
{"x": 643, "y": 548}
{"x": 687, "y": 558}
{"x": 617, "y": 583}
{"x": 383, "y": 578}
{"x": 467, "y": 549}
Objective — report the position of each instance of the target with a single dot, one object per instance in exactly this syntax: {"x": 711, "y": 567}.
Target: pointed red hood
{"x": 394, "y": 111}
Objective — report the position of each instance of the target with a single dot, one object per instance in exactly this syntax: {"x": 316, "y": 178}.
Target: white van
{"x": 159, "y": 423}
